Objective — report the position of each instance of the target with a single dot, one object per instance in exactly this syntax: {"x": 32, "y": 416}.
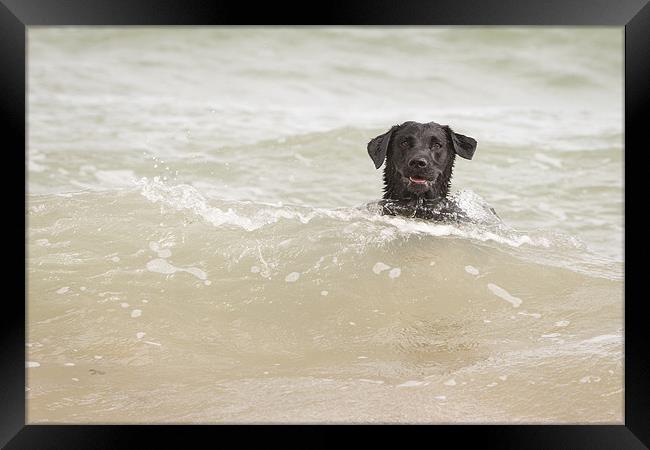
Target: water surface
{"x": 200, "y": 249}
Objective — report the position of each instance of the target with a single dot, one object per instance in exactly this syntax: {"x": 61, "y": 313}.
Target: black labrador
{"x": 419, "y": 163}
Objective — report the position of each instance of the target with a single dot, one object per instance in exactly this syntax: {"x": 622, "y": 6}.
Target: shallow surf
{"x": 205, "y": 245}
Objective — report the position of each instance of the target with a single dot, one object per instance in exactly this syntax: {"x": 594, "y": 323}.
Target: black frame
{"x": 16, "y": 15}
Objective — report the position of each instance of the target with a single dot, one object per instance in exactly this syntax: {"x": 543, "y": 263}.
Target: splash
{"x": 365, "y": 223}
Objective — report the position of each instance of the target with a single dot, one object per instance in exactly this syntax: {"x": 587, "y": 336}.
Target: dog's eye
{"x": 436, "y": 145}
{"x": 405, "y": 143}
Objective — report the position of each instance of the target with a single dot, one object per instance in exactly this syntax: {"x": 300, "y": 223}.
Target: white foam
{"x": 136, "y": 313}
{"x": 365, "y": 380}
{"x": 164, "y": 253}
{"x": 562, "y": 323}
{"x": 471, "y": 270}
{"x": 604, "y": 338}
{"x": 590, "y": 379}
{"x": 383, "y": 228}
{"x": 124, "y": 305}
{"x": 198, "y": 273}
{"x": 324, "y": 293}
{"x": 160, "y": 265}
{"x": 63, "y": 290}
{"x": 380, "y": 267}
{"x": 32, "y": 364}
{"x": 140, "y": 334}
{"x": 502, "y": 293}
{"x": 68, "y": 364}
{"x": 551, "y": 335}
{"x": 394, "y": 273}
{"x": 411, "y": 383}
{"x": 293, "y": 276}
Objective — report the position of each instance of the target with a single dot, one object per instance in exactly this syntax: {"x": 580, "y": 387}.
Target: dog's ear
{"x": 378, "y": 147}
{"x": 464, "y": 146}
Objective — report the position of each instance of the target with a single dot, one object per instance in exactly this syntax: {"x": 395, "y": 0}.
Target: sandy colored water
{"x": 201, "y": 247}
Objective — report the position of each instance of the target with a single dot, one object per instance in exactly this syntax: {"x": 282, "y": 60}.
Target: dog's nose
{"x": 418, "y": 162}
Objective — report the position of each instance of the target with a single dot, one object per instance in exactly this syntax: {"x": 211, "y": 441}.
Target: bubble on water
{"x": 471, "y": 270}
{"x": 98, "y": 357}
{"x": 63, "y": 290}
{"x": 394, "y": 273}
{"x": 380, "y": 267}
{"x": 69, "y": 364}
{"x": 115, "y": 259}
{"x": 140, "y": 334}
{"x": 562, "y": 323}
{"x": 324, "y": 293}
{"x": 32, "y": 364}
{"x": 124, "y": 305}
{"x": 505, "y": 295}
{"x": 136, "y": 313}
{"x": 293, "y": 276}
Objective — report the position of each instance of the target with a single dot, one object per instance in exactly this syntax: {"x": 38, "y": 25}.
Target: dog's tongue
{"x": 418, "y": 180}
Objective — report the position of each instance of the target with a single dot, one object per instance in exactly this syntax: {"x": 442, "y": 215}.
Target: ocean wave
{"x": 251, "y": 216}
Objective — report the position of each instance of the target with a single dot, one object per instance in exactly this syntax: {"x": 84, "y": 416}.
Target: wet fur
{"x": 398, "y": 199}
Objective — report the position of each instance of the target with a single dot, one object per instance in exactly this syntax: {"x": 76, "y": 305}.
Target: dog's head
{"x": 419, "y": 156}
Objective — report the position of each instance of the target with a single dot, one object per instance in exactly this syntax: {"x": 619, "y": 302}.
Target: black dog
{"x": 419, "y": 163}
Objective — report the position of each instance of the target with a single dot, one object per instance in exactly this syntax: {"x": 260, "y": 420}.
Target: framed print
{"x": 369, "y": 214}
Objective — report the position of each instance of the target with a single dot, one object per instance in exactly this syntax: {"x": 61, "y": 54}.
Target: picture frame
{"x": 634, "y": 15}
